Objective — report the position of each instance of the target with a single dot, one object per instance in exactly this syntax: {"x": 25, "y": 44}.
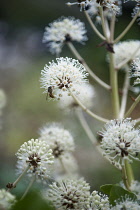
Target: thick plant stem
{"x": 137, "y": 100}
{"x": 29, "y": 186}
{"x": 19, "y": 178}
{"x": 78, "y": 56}
{"x": 127, "y": 28}
{"x": 114, "y": 86}
{"x": 87, "y": 110}
{"x": 124, "y": 95}
{"x": 129, "y": 172}
{"x": 93, "y": 26}
{"x": 125, "y": 178}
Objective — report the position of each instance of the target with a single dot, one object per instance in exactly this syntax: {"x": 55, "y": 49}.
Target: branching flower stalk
{"x": 28, "y": 187}
{"x": 130, "y": 110}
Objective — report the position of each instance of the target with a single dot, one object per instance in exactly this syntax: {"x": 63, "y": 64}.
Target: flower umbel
{"x": 38, "y": 156}
{"x": 128, "y": 203}
{"x": 6, "y": 199}
{"x": 69, "y": 194}
{"x": 135, "y": 71}
{"x": 121, "y": 141}
{"x": 62, "y": 76}
{"x": 63, "y": 30}
{"x": 59, "y": 139}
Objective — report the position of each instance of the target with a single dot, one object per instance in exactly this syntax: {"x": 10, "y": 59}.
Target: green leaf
{"x": 106, "y": 188}
{"x": 33, "y": 201}
{"x": 116, "y": 192}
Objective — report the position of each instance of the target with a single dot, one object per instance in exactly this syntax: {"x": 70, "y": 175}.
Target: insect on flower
{"x": 50, "y": 92}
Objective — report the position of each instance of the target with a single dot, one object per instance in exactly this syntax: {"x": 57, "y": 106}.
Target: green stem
{"x": 29, "y": 186}
{"x": 129, "y": 172}
{"x": 93, "y": 26}
{"x": 125, "y": 178}
{"x": 127, "y": 28}
{"x": 87, "y": 110}
{"x": 114, "y": 86}
{"x": 78, "y": 56}
{"x": 19, "y": 178}
{"x": 137, "y": 100}
{"x": 103, "y": 23}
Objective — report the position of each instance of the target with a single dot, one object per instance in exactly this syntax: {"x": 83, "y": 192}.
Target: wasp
{"x": 50, "y": 92}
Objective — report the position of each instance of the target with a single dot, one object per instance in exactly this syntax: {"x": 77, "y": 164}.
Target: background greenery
{"x": 22, "y": 56}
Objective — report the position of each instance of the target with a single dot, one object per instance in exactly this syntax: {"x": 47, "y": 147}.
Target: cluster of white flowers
{"x": 113, "y": 5}
{"x": 135, "y": 71}
{"x": 2, "y": 100}
{"x": 83, "y": 4}
{"x": 98, "y": 201}
{"x": 126, "y": 49}
{"x": 135, "y": 188}
{"x": 120, "y": 141}
{"x": 85, "y": 94}
{"x": 127, "y": 204}
{"x": 6, "y": 199}
{"x": 63, "y": 30}
{"x": 60, "y": 140}
{"x": 62, "y": 76}
{"x": 69, "y": 194}
{"x": 36, "y": 155}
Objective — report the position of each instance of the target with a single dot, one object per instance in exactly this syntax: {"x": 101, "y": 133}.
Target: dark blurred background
{"x": 22, "y": 56}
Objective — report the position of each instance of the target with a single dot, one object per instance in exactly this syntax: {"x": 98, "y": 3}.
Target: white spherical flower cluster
{"x": 62, "y": 76}
{"x": 6, "y": 199}
{"x": 63, "y": 30}
{"x": 135, "y": 71}
{"x": 135, "y": 188}
{"x": 36, "y": 155}
{"x": 85, "y": 94}
{"x": 113, "y": 5}
{"x": 60, "y": 140}
{"x": 127, "y": 204}
{"x": 98, "y": 201}
{"x": 69, "y": 194}
{"x": 120, "y": 141}
{"x": 126, "y": 49}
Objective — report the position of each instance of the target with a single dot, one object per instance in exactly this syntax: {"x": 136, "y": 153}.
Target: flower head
{"x": 135, "y": 70}
{"x": 69, "y": 194}
{"x": 62, "y": 76}
{"x": 120, "y": 141}
{"x": 98, "y": 201}
{"x": 59, "y": 139}
{"x": 63, "y": 30}
{"x": 128, "y": 203}
{"x": 86, "y": 95}
{"x": 125, "y": 50}
{"x": 135, "y": 188}
{"x": 6, "y": 199}
{"x": 36, "y": 155}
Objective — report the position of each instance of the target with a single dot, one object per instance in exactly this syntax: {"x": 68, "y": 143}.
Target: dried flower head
{"x": 69, "y": 194}
{"x": 135, "y": 70}
{"x": 125, "y": 50}
{"x": 36, "y": 155}
{"x": 128, "y": 203}
{"x": 59, "y": 139}
{"x": 6, "y": 199}
{"x": 62, "y": 76}
{"x": 98, "y": 201}
{"x": 121, "y": 141}
{"x": 85, "y": 94}
{"x": 62, "y": 30}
